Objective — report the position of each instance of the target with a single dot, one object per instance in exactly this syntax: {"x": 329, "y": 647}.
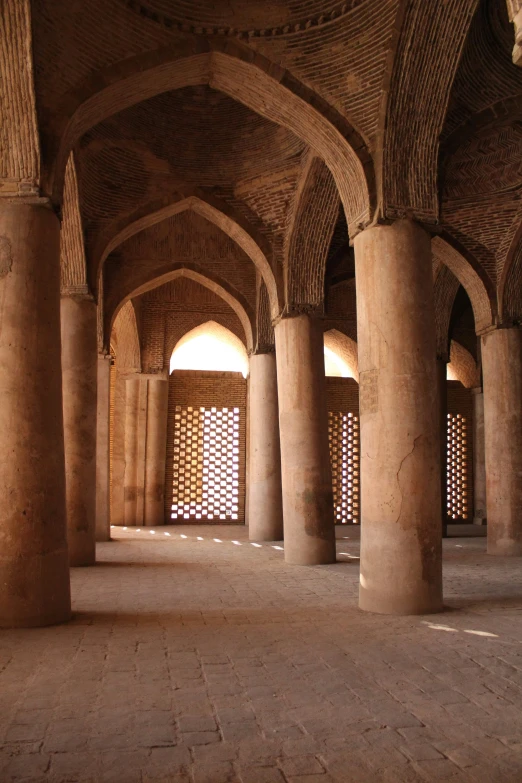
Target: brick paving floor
{"x": 196, "y": 657}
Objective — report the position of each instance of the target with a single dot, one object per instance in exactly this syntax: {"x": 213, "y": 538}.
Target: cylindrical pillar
{"x": 130, "y": 479}
{"x": 103, "y": 438}
{"x": 34, "y": 566}
{"x": 308, "y": 517}
{"x": 401, "y": 558}
{"x": 502, "y": 380}
{"x": 79, "y": 369}
{"x": 442, "y": 390}
{"x": 156, "y": 451}
{"x": 479, "y": 459}
{"x": 265, "y": 505}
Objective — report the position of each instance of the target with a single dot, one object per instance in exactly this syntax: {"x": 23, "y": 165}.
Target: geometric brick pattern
{"x": 206, "y": 465}
{"x": 206, "y": 447}
{"x": 458, "y": 487}
{"x": 343, "y": 434}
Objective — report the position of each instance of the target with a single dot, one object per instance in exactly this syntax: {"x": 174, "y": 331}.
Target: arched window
{"x": 210, "y": 347}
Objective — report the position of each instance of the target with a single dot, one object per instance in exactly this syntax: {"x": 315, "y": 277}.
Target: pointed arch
{"x": 472, "y": 278}
{"x": 423, "y": 63}
{"x": 315, "y": 213}
{"x": 446, "y": 286}
{"x": 462, "y": 366}
{"x": 214, "y": 284}
{"x": 222, "y": 216}
{"x": 510, "y": 284}
{"x": 345, "y": 348}
{"x": 124, "y": 339}
{"x": 217, "y": 332}
{"x": 240, "y": 73}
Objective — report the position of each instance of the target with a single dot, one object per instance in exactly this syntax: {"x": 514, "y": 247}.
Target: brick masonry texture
{"x": 411, "y": 112}
{"x": 193, "y": 660}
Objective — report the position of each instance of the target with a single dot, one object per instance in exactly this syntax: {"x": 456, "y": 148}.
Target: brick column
{"x": 502, "y": 379}
{"x": 265, "y": 510}
{"x": 401, "y": 552}
{"x": 156, "y": 451}
{"x": 103, "y": 527}
{"x": 308, "y": 516}
{"x": 130, "y": 480}
{"x": 79, "y": 368}
{"x": 34, "y": 567}
{"x": 479, "y": 459}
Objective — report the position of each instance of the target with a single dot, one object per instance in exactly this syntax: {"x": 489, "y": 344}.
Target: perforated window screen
{"x": 458, "y": 486}
{"x": 343, "y": 434}
{"x": 206, "y": 464}
{"x": 206, "y": 441}
{"x": 459, "y": 462}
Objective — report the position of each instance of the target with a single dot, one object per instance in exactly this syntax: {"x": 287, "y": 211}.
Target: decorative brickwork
{"x": 72, "y": 252}
{"x": 19, "y": 144}
{"x": 463, "y": 367}
{"x": 445, "y": 290}
{"x": 172, "y": 310}
{"x": 343, "y": 431}
{"x": 460, "y": 453}
{"x": 312, "y": 223}
{"x": 206, "y": 445}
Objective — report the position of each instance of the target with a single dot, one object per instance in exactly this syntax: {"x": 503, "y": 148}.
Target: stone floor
{"x": 195, "y": 656}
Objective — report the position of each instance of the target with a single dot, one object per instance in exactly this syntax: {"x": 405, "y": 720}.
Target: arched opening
{"x": 340, "y": 356}
{"x": 210, "y": 347}
{"x": 206, "y": 429}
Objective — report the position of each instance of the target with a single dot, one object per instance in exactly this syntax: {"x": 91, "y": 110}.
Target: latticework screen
{"x": 206, "y": 448}
{"x": 206, "y": 464}
{"x": 343, "y": 434}
{"x": 458, "y": 486}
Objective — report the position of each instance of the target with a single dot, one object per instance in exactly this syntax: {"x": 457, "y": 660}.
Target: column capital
{"x": 131, "y": 374}
{"x": 261, "y": 350}
{"x": 78, "y": 292}
{"x": 296, "y": 310}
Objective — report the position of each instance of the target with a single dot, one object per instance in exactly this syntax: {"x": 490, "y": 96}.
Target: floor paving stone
{"x": 195, "y": 660}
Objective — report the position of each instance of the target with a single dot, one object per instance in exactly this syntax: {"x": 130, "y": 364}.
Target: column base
{"x": 319, "y": 554}
{"x": 480, "y": 521}
{"x": 397, "y": 605}
{"x": 35, "y": 591}
{"x": 505, "y": 548}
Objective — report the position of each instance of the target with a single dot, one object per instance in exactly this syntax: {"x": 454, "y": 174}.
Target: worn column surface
{"x": 103, "y": 522}
{"x": 156, "y": 451}
{"x": 79, "y": 369}
{"x": 502, "y": 383}
{"x": 306, "y": 478}
{"x": 34, "y": 566}
{"x": 401, "y": 570}
{"x": 479, "y": 459}
{"x": 265, "y": 504}
{"x": 130, "y": 480}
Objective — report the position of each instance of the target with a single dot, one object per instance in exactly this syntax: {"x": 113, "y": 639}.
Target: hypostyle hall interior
{"x": 260, "y": 391}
